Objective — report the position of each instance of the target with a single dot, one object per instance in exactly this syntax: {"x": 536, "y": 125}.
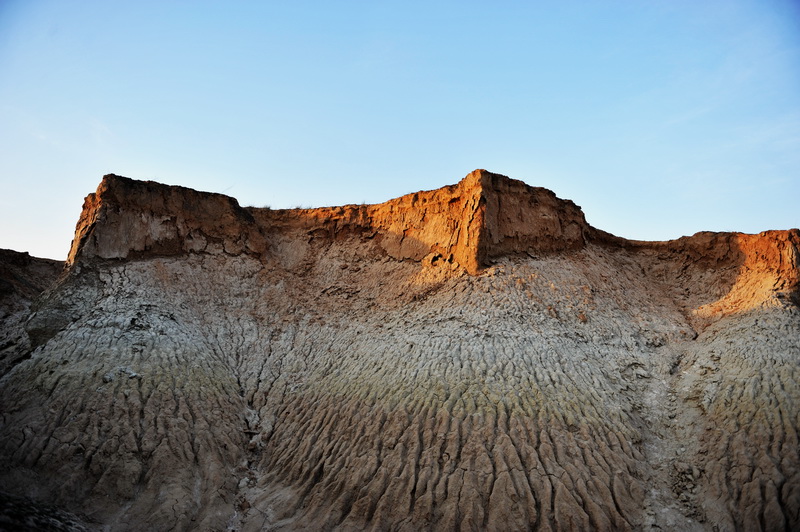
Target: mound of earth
{"x": 474, "y": 357}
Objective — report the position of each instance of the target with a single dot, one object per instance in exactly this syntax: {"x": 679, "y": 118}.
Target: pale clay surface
{"x": 336, "y": 377}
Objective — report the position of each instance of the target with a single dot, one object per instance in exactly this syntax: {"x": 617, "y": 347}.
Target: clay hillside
{"x": 476, "y": 357}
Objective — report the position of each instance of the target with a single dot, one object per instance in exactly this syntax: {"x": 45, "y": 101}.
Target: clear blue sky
{"x": 660, "y": 118}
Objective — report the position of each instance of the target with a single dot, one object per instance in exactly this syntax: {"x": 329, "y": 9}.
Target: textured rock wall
{"x": 349, "y": 368}
{"x": 22, "y": 279}
{"x": 524, "y": 219}
{"x": 482, "y": 217}
{"x": 127, "y": 218}
{"x": 712, "y": 275}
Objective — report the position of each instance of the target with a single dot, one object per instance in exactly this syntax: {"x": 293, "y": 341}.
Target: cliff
{"x": 22, "y": 279}
{"x": 469, "y": 225}
{"x": 127, "y": 218}
{"x": 473, "y": 357}
{"x": 483, "y": 217}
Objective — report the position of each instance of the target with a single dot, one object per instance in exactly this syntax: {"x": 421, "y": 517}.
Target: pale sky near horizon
{"x": 659, "y": 118}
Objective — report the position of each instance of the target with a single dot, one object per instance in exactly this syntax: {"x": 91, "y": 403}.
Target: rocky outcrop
{"x": 125, "y": 218}
{"x": 22, "y": 279}
{"x": 483, "y": 217}
{"x": 474, "y": 357}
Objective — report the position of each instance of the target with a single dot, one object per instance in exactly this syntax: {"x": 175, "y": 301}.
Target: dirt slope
{"x": 474, "y": 357}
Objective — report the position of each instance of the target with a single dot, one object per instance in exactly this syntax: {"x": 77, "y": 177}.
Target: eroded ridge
{"x": 483, "y": 217}
{"x": 348, "y": 368}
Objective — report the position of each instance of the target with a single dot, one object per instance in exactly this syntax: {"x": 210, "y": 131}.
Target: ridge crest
{"x": 482, "y": 217}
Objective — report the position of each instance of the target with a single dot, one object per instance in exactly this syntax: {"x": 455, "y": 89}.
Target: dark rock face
{"x": 473, "y": 357}
{"x": 22, "y": 515}
{"x": 22, "y": 279}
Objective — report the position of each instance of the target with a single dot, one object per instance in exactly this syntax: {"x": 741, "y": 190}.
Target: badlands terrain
{"x": 476, "y": 357}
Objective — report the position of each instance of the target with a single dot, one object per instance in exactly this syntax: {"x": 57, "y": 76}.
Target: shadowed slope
{"x": 22, "y": 279}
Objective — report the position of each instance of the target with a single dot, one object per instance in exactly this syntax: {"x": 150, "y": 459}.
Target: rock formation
{"x": 22, "y": 279}
{"x": 473, "y": 357}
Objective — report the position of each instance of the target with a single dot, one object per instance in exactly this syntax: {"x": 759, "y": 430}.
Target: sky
{"x": 659, "y": 118}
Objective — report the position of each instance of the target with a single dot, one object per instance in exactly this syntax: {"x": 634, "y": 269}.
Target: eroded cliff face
{"x": 22, "y": 279}
{"x": 483, "y": 217}
{"x": 125, "y": 218}
{"x": 474, "y": 357}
